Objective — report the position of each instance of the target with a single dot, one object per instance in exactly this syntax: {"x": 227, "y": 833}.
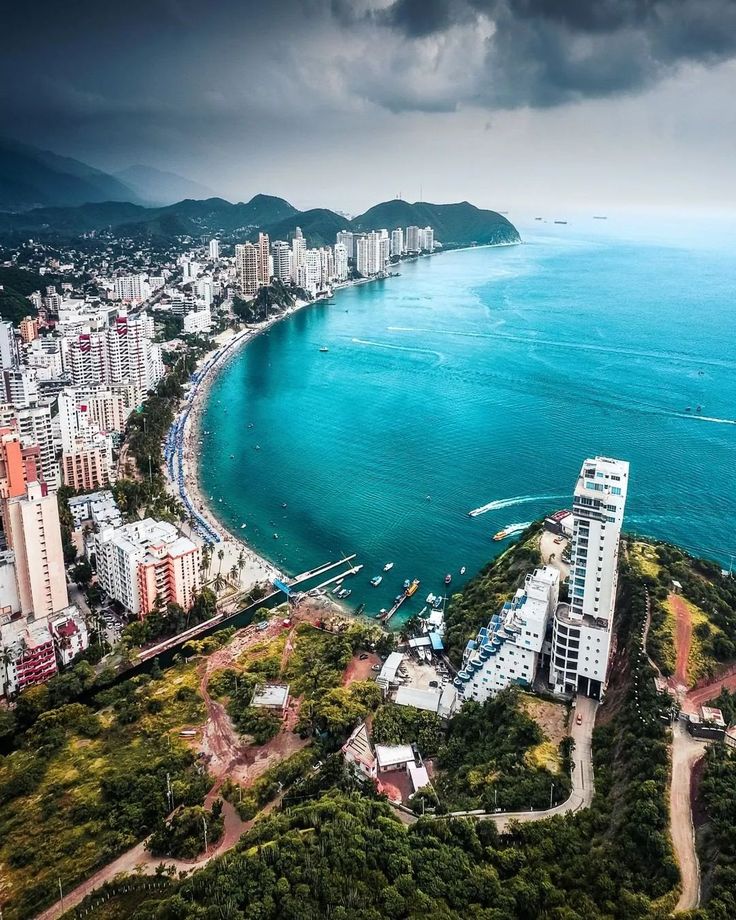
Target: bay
{"x": 478, "y": 376}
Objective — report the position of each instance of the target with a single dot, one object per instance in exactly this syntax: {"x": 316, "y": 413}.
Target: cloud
{"x": 542, "y": 53}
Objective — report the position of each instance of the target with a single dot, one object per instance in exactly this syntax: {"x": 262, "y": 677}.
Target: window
{"x": 615, "y": 490}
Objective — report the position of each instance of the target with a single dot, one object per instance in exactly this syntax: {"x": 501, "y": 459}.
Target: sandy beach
{"x": 254, "y": 568}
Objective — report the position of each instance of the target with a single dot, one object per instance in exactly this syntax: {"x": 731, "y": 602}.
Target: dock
{"x": 395, "y": 607}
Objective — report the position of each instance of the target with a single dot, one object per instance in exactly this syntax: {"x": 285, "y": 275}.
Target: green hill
{"x": 460, "y": 224}
{"x": 319, "y": 226}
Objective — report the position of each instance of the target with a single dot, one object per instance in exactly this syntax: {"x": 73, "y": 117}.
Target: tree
{"x": 220, "y": 557}
{"x": 233, "y": 572}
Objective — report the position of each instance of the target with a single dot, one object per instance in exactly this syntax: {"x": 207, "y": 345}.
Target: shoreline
{"x": 182, "y": 472}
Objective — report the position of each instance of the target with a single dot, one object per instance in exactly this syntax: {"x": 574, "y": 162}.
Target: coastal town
{"x": 119, "y": 579}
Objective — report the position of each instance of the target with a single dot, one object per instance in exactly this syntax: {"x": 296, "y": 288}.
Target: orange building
{"x": 169, "y": 572}
{"x": 86, "y": 469}
{"x": 28, "y": 329}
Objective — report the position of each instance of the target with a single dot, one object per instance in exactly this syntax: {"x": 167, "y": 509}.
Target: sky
{"x": 531, "y": 104}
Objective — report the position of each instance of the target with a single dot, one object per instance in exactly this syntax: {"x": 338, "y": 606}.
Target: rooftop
{"x": 271, "y": 695}
{"x": 393, "y": 755}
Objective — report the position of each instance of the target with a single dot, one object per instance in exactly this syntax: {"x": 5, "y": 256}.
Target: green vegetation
{"x": 484, "y": 595}
{"x": 85, "y": 782}
{"x": 182, "y": 835}
{"x": 169, "y": 621}
{"x": 726, "y": 702}
{"x": 272, "y": 299}
{"x": 334, "y": 852}
{"x": 716, "y": 839}
{"x": 15, "y": 286}
{"x": 406, "y": 725}
{"x": 289, "y": 774}
{"x": 712, "y": 600}
{"x": 483, "y": 762}
{"x": 168, "y": 324}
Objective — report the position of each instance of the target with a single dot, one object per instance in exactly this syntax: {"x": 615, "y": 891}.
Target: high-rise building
{"x": 264, "y": 261}
{"x": 19, "y": 386}
{"x": 35, "y": 429}
{"x": 145, "y": 559}
{"x": 33, "y": 532}
{"x": 281, "y": 252}
{"x": 397, "y": 242}
{"x": 581, "y": 637}
{"x": 247, "y": 268}
{"x": 9, "y": 351}
{"x": 215, "y": 250}
{"x": 426, "y": 239}
{"x": 413, "y": 243}
{"x": 132, "y": 288}
{"x": 372, "y": 252}
{"x": 341, "y": 262}
{"x": 347, "y": 239}
{"x": 298, "y": 250}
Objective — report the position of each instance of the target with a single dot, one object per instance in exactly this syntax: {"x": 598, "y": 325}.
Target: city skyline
{"x": 506, "y": 104}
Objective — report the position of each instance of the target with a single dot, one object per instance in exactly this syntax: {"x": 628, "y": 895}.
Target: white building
{"x": 426, "y": 239}
{"x": 298, "y": 251}
{"x": 397, "y": 242}
{"x": 70, "y": 634}
{"x": 507, "y": 651}
{"x": 341, "y": 262}
{"x": 98, "y": 509}
{"x": 9, "y": 351}
{"x": 132, "y": 288}
{"x": 581, "y": 638}
{"x": 35, "y": 426}
{"x": 197, "y": 322}
{"x": 413, "y": 243}
{"x": 125, "y": 554}
{"x": 20, "y": 386}
{"x": 281, "y": 253}
{"x": 214, "y": 250}
{"x": 346, "y": 238}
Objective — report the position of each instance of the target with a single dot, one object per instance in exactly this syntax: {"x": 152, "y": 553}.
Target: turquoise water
{"x": 485, "y": 376}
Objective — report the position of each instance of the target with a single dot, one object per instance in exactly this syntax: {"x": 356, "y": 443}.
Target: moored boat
{"x": 388, "y": 567}
{"x": 376, "y": 580}
{"x": 448, "y": 578}
{"x": 412, "y": 589}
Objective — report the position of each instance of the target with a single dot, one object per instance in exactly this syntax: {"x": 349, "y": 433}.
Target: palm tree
{"x": 219, "y": 583}
{"x": 233, "y": 572}
{"x": 241, "y": 565}
{"x": 220, "y": 556}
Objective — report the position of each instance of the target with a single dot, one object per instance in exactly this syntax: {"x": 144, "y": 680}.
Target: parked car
{"x": 363, "y": 657}
{"x": 579, "y": 719}
{"x": 433, "y": 683}
{"x": 376, "y": 667}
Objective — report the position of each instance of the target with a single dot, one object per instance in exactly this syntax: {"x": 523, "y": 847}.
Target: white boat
{"x": 388, "y": 567}
{"x": 462, "y": 570}
{"x": 376, "y": 580}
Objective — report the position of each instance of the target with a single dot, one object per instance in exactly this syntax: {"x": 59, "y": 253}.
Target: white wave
{"x": 423, "y": 351}
{"x": 510, "y": 502}
{"x": 708, "y": 418}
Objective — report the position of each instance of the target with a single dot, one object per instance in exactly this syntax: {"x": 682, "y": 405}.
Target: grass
{"x": 661, "y": 639}
{"x": 58, "y": 828}
{"x": 644, "y": 558}
{"x": 700, "y": 663}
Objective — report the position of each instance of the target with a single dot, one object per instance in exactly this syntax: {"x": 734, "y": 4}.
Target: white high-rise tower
{"x": 581, "y": 637}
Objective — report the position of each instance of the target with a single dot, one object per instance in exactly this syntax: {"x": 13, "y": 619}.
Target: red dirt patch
{"x": 359, "y": 670}
{"x": 683, "y": 636}
{"x": 701, "y": 695}
{"x": 396, "y": 785}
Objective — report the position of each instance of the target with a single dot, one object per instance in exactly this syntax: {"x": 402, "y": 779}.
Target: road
{"x": 581, "y": 794}
{"x": 686, "y": 751}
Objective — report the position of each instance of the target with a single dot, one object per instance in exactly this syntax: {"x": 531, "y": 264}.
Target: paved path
{"x": 581, "y": 794}
{"x": 686, "y": 751}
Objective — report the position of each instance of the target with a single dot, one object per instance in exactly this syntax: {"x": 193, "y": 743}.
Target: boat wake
{"x": 709, "y": 418}
{"x": 517, "y": 528}
{"x": 510, "y": 503}
{"x": 421, "y": 351}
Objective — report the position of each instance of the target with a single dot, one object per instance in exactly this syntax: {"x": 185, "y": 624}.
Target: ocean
{"x": 486, "y": 376}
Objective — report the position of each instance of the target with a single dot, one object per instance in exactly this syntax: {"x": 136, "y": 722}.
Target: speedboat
{"x": 406, "y": 584}
{"x": 376, "y": 580}
{"x": 448, "y": 578}
{"x": 462, "y": 570}
{"x": 388, "y": 567}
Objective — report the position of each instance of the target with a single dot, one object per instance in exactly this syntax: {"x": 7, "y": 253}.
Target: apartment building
{"x": 581, "y": 639}
{"x": 507, "y": 651}
{"x": 145, "y": 559}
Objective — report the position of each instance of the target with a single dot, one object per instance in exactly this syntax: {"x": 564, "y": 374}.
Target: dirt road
{"x": 686, "y": 751}
{"x": 683, "y": 637}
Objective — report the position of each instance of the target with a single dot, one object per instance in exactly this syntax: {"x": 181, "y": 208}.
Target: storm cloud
{"x": 542, "y": 53}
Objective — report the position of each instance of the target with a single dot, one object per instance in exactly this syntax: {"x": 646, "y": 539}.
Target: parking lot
{"x": 423, "y": 676}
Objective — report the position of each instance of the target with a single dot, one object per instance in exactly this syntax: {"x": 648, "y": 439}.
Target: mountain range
{"x": 460, "y": 224}
{"x": 32, "y": 178}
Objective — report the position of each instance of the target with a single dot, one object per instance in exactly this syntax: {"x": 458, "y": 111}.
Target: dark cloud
{"x": 542, "y": 53}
